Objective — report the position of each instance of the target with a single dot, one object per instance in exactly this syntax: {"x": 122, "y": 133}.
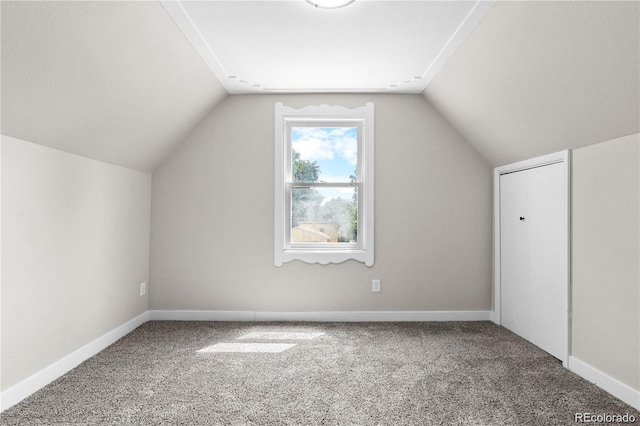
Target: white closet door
{"x": 514, "y": 252}
{"x": 547, "y": 258}
{"x": 533, "y": 247}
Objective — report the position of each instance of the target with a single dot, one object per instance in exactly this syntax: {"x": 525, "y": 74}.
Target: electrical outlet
{"x": 375, "y": 286}
{"x": 143, "y": 288}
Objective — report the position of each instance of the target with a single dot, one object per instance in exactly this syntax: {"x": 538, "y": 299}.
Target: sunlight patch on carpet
{"x": 249, "y": 347}
{"x": 280, "y": 335}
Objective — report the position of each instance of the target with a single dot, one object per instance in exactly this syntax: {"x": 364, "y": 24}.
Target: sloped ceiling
{"x": 111, "y": 81}
{"x": 539, "y": 77}
{"x": 120, "y": 82}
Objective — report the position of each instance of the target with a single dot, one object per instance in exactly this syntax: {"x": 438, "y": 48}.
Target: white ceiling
{"x": 291, "y": 46}
{"x": 118, "y": 81}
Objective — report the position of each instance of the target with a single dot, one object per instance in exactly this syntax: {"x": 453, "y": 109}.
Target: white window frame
{"x": 324, "y": 116}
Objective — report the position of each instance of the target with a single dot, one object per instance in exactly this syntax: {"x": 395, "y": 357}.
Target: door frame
{"x": 563, "y": 157}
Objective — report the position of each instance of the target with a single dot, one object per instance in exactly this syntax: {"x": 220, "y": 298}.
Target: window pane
{"x": 324, "y": 154}
{"x": 324, "y": 215}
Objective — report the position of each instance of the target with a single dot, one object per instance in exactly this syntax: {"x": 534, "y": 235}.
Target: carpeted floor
{"x": 443, "y": 373}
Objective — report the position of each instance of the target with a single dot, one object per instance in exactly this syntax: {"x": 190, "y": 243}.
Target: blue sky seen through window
{"x": 334, "y": 149}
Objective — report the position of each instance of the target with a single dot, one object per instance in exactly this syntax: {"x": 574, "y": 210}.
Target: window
{"x": 324, "y": 184}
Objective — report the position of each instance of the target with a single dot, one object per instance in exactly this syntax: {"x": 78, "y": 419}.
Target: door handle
{"x": 522, "y": 218}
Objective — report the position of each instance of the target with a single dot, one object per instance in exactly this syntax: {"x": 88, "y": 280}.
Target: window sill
{"x": 323, "y": 257}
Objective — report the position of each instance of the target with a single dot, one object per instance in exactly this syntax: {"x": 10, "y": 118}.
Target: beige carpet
{"x": 204, "y": 373}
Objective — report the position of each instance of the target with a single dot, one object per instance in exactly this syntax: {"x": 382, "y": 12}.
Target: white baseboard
{"x": 321, "y": 316}
{"x": 616, "y": 388}
{"x": 171, "y": 315}
{"x": 30, "y": 385}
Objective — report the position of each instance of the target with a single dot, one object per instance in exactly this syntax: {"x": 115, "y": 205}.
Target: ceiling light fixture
{"x": 329, "y": 4}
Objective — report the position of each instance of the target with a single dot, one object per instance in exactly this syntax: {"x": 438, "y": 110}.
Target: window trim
{"x": 324, "y": 116}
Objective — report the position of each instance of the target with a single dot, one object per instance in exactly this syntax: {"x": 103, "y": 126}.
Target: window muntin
{"x": 324, "y": 184}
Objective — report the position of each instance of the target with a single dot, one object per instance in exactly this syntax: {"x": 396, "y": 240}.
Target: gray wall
{"x": 75, "y": 235}
{"x": 606, "y": 258}
{"x": 75, "y": 246}
{"x": 212, "y": 217}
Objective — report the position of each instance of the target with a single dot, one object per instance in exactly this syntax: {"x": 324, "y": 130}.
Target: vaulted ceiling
{"x": 124, "y": 82}
{"x": 539, "y": 77}
{"x": 112, "y": 81}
